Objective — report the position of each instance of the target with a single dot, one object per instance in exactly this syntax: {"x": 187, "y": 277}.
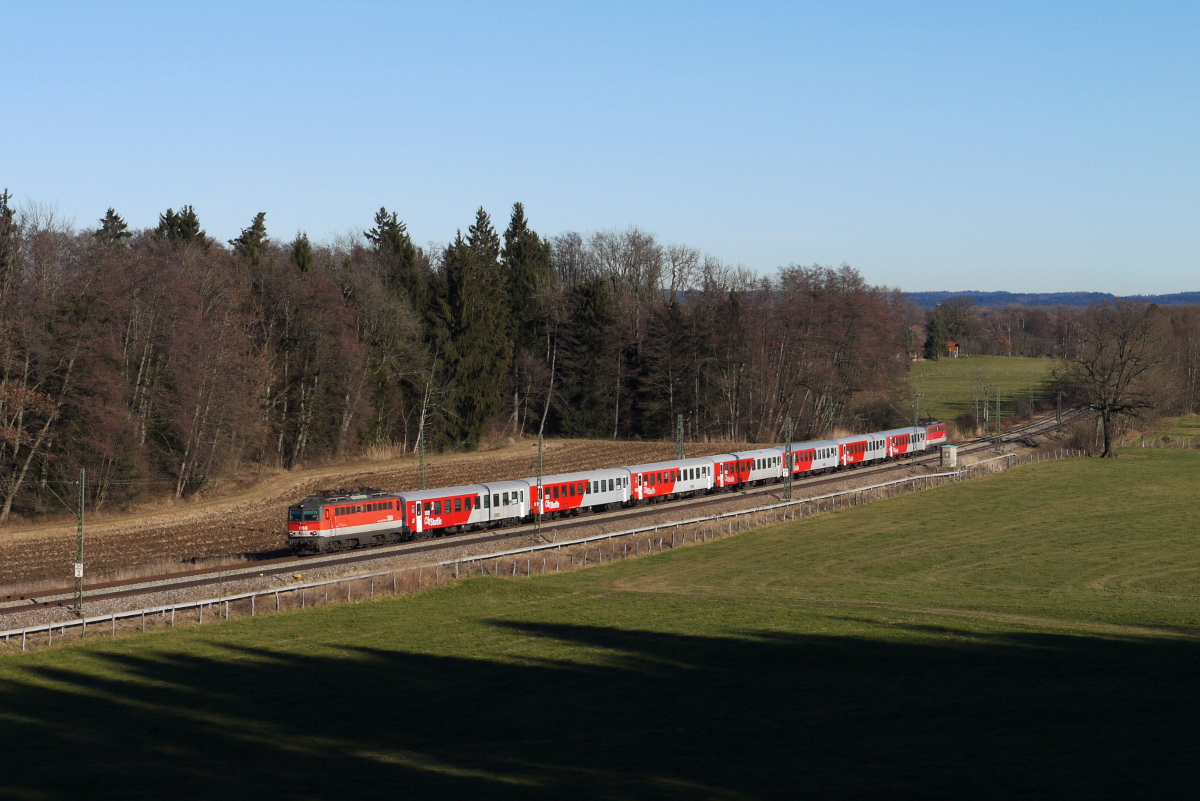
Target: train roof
{"x": 895, "y": 432}
{"x": 583, "y": 475}
{"x": 857, "y": 438}
{"x": 759, "y": 452}
{"x": 509, "y": 486}
{"x": 333, "y": 497}
{"x": 816, "y": 443}
{"x": 443, "y": 492}
{"x": 672, "y": 463}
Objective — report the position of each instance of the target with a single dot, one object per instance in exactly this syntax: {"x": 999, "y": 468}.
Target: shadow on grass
{"x": 645, "y": 715}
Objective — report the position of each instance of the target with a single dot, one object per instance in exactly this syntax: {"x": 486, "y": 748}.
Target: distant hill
{"x": 931, "y": 299}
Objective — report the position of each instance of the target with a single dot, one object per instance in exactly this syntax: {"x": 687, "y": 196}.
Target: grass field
{"x": 1177, "y": 428}
{"x": 1029, "y": 634}
{"x": 951, "y": 385}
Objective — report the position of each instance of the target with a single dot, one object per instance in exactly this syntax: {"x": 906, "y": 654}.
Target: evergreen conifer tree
{"x": 939, "y": 335}
{"x": 302, "y": 254}
{"x": 249, "y": 244}
{"x": 480, "y": 352}
{"x": 112, "y": 228}
{"x": 8, "y": 243}
{"x": 526, "y": 258}
{"x": 181, "y": 228}
{"x": 395, "y": 249}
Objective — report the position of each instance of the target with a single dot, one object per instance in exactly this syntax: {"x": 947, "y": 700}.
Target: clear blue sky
{"x": 1021, "y": 146}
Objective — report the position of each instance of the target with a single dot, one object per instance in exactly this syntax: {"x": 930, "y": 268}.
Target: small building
{"x": 952, "y": 349}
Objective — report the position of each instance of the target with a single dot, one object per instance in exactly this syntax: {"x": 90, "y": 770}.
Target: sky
{"x": 1021, "y": 146}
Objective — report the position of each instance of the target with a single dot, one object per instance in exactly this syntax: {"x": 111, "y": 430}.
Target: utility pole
{"x": 787, "y": 460}
{"x": 540, "y": 500}
{"x": 917, "y": 410}
{"x": 679, "y": 436}
{"x": 987, "y": 415}
{"x": 1030, "y": 396}
{"x": 998, "y": 418}
{"x": 421, "y": 451}
{"x": 1058, "y": 412}
{"x": 79, "y": 544}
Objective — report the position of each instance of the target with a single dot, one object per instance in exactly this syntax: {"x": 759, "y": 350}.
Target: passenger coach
{"x": 571, "y": 493}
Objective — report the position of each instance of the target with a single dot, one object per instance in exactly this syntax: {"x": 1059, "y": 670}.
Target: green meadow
{"x": 950, "y": 386}
{"x": 1028, "y": 634}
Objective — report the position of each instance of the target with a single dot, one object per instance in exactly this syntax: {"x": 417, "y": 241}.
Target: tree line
{"x": 163, "y": 360}
{"x": 1126, "y": 361}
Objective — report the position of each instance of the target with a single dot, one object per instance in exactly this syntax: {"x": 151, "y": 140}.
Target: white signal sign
{"x": 79, "y": 570}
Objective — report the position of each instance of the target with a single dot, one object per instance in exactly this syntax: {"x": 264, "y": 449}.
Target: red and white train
{"x": 340, "y": 520}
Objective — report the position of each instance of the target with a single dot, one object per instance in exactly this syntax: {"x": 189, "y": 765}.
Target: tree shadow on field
{"x": 648, "y": 715}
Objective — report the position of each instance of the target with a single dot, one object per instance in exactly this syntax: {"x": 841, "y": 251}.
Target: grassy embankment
{"x": 950, "y": 386}
{"x": 1030, "y": 633}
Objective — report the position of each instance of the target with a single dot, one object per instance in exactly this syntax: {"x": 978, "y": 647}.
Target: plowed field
{"x": 252, "y": 521}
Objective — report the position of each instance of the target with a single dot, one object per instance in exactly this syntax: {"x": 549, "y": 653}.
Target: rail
{"x": 818, "y": 503}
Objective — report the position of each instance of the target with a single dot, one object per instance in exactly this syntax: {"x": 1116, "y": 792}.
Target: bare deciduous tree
{"x": 1113, "y": 360}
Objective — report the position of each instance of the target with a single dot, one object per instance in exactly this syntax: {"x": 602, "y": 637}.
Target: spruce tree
{"x": 526, "y": 258}
{"x": 584, "y": 355}
{"x": 112, "y": 229}
{"x": 396, "y": 251}
{"x": 477, "y": 304}
{"x": 181, "y": 228}
{"x": 939, "y": 335}
{"x": 249, "y": 244}
{"x": 9, "y": 232}
{"x": 302, "y": 255}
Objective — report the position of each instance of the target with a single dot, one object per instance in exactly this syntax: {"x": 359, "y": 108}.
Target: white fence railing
{"x": 780, "y": 512}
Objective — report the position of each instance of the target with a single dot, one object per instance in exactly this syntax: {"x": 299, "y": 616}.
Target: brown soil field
{"x": 252, "y": 521}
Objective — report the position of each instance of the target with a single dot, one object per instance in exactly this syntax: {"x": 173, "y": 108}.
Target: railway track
{"x": 278, "y": 565}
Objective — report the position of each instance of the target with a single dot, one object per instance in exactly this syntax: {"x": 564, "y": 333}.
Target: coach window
{"x": 466, "y": 504}
{"x": 487, "y": 501}
{"x": 437, "y": 507}
{"x": 458, "y": 504}
{"x": 505, "y": 499}
{"x": 495, "y": 501}
{"x": 571, "y": 489}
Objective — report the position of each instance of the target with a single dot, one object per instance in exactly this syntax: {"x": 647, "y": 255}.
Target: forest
{"x": 164, "y": 361}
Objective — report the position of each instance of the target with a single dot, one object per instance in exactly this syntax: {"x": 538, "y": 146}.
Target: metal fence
{"x": 717, "y": 525}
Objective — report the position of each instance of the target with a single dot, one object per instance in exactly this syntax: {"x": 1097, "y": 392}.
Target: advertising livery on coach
{"x": 343, "y": 519}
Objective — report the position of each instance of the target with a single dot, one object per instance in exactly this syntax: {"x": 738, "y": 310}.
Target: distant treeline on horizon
{"x": 928, "y": 300}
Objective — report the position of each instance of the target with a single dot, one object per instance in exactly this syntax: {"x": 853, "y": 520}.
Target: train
{"x": 337, "y": 520}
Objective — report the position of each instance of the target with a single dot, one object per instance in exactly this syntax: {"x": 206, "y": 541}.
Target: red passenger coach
{"x": 737, "y": 469}
{"x": 570, "y": 493}
{"x": 665, "y": 479}
{"x": 443, "y": 510}
{"x": 814, "y": 457}
{"x": 904, "y": 441}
